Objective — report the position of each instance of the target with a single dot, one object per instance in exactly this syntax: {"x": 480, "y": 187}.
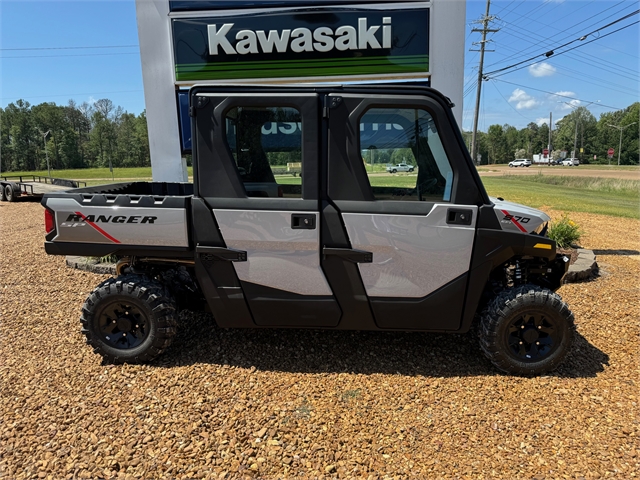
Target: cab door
{"x": 257, "y": 173}
{"x": 418, "y": 227}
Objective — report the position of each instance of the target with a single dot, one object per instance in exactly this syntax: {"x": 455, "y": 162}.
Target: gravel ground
{"x": 285, "y": 403}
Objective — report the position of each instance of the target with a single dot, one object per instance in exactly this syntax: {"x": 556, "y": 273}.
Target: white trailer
{"x": 541, "y": 159}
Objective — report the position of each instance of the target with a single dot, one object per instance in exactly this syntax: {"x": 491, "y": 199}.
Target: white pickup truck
{"x": 401, "y": 167}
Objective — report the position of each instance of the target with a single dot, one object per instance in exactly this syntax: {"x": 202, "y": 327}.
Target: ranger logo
{"x": 78, "y": 217}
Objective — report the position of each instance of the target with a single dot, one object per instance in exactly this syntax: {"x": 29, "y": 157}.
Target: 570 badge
{"x": 510, "y": 218}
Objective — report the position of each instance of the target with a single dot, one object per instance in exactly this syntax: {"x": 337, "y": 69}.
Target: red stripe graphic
{"x": 114, "y": 240}
{"x": 514, "y": 221}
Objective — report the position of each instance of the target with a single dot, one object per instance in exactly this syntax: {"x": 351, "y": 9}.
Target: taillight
{"x": 49, "y": 222}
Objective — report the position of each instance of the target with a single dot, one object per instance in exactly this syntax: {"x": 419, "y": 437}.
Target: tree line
{"x": 71, "y": 136}
{"x": 592, "y": 137}
{"x": 101, "y": 134}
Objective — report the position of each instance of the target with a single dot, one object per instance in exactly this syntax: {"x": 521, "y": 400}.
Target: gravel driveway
{"x": 285, "y": 403}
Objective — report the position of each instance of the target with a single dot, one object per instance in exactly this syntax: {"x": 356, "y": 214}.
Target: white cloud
{"x": 522, "y": 99}
{"x": 542, "y": 69}
{"x": 91, "y": 100}
{"x": 541, "y": 120}
{"x": 567, "y": 103}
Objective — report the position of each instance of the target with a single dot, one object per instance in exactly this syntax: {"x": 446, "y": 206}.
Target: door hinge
{"x": 329, "y": 103}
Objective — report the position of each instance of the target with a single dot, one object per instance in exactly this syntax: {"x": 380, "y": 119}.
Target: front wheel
{"x": 526, "y": 330}
{"x": 129, "y": 319}
{"x": 410, "y": 170}
{"x": 394, "y": 171}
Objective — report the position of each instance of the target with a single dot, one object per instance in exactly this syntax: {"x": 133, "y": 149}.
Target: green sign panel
{"x": 302, "y": 43}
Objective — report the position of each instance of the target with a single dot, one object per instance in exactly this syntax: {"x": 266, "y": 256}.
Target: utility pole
{"x": 550, "y": 128}
{"x": 620, "y": 144}
{"x": 575, "y": 138}
{"x": 44, "y": 141}
{"x": 485, "y": 23}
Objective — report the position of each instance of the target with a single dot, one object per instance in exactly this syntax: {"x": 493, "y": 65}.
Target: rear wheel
{"x": 129, "y": 319}
{"x": 9, "y": 193}
{"x": 3, "y": 197}
{"x": 526, "y": 330}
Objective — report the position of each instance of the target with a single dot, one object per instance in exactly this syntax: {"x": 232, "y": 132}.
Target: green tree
{"x": 48, "y": 117}
{"x": 579, "y": 128}
{"x": 20, "y": 136}
{"x": 609, "y": 137}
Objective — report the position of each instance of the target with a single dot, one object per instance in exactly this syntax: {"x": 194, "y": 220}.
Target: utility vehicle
{"x": 336, "y": 247}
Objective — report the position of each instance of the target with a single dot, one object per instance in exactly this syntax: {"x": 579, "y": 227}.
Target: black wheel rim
{"x": 123, "y": 325}
{"x": 532, "y": 336}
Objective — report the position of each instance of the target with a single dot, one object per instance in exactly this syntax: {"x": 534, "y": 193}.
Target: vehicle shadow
{"x": 335, "y": 351}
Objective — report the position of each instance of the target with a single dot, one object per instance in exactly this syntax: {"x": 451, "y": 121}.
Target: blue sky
{"x": 605, "y": 70}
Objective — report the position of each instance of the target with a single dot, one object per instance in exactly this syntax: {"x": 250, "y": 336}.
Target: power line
{"x": 79, "y": 55}
{"x": 551, "y": 52}
{"x": 515, "y": 28}
{"x": 507, "y": 101}
{"x": 68, "y": 48}
{"x": 627, "y": 73}
{"x": 582, "y": 38}
{"x": 71, "y": 94}
{"x": 583, "y": 59}
{"x": 595, "y": 102}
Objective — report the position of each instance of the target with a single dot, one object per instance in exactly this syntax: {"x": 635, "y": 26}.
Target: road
{"x": 581, "y": 171}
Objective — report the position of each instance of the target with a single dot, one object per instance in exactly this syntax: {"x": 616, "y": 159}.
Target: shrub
{"x": 565, "y": 232}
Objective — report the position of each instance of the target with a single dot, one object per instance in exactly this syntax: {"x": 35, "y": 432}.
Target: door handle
{"x": 350, "y": 254}
{"x": 459, "y": 216}
{"x": 300, "y": 221}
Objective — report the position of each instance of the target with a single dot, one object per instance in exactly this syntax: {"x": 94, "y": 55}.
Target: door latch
{"x": 459, "y": 216}
{"x": 304, "y": 221}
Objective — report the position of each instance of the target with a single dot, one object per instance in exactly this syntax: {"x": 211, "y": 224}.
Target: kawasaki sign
{"x": 302, "y": 43}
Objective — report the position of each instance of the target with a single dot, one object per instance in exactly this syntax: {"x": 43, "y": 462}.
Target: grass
{"x": 596, "y": 184}
{"x": 607, "y": 196}
{"x": 138, "y": 173}
{"x": 567, "y": 197}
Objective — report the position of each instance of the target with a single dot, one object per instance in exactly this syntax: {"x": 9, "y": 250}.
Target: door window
{"x": 403, "y": 155}
{"x": 266, "y": 144}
